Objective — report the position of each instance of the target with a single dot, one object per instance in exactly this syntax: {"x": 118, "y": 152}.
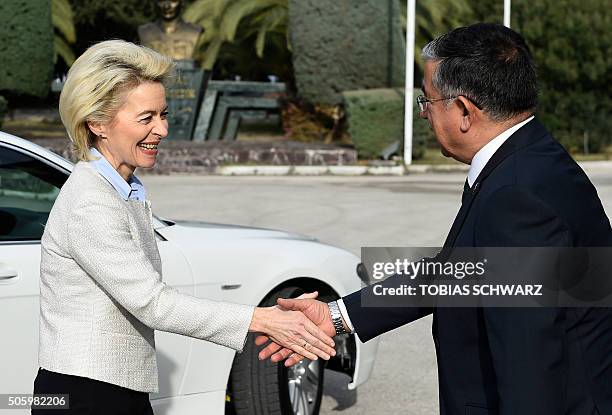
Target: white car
{"x": 221, "y": 262}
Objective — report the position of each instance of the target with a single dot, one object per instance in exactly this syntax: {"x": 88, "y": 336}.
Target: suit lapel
{"x": 528, "y": 134}
{"x": 468, "y": 198}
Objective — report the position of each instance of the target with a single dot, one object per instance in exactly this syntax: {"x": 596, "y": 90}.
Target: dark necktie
{"x": 466, "y": 191}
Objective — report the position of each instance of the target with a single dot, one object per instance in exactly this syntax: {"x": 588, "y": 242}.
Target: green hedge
{"x": 26, "y": 47}
{"x": 345, "y": 46}
{"x": 376, "y": 119}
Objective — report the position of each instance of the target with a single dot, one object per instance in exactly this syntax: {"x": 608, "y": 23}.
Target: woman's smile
{"x": 149, "y": 148}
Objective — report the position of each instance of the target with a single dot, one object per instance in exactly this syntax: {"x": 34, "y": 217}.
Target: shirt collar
{"x": 482, "y": 157}
{"x": 132, "y": 189}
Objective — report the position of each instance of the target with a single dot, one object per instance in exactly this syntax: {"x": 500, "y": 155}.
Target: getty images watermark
{"x": 487, "y": 277}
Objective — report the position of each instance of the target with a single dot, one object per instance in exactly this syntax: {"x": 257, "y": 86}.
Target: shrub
{"x": 345, "y": 46}
{"x": 26, "y": 48}
{"x": 376, "y": 120}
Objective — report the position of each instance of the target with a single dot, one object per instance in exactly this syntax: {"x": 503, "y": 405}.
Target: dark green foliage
{"x": 240, "y": 59}
{"x": 345, "y": 45}
{"x": 490, "y": 11}
{"x": 97, "y": 20}
{"x": 571, "y": 42}
{"x": 376, "y": 119}
{"x": 232, "y": 28}
{"x": 26, "y": 47}
{"x": 433, "y": 18}
{"x": 3, "y": 108}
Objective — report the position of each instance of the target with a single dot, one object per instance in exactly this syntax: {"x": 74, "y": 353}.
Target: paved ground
{"x": 349, "y": 212}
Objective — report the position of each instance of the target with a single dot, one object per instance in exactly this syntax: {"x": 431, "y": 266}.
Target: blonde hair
{"x": 96, "y": 82}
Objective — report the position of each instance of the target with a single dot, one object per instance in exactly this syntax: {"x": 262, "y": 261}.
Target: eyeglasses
{"x": 423, "y": 102}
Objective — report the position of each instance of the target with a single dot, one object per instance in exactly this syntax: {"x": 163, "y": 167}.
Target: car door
{"x": 28, "y": 188}
{"x": 29, "y": 185}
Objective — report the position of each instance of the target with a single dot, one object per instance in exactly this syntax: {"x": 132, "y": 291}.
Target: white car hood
{"x": 236, "y": 231}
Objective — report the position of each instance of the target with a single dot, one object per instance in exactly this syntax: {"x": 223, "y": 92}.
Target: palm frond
{"x": 233, "y": 21}
{"x": 210, "y": 54}
{"x": 63, "y": 19}
{"x": 238, "y": 11}
{"x": 202, "y": 10}
{"x": 65, "y": 33}
{"x": 268, "y": 22}
{"x": 62, "y": 49}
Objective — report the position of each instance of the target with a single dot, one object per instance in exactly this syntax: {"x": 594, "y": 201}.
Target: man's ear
{"x": 97, "y": 128}
{"x": 469, "y": 113}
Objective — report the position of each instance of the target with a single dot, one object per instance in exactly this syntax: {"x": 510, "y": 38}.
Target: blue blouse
{"x": 132, "y": 189}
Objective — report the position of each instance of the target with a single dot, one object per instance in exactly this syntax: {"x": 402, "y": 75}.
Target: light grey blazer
{"x": 101, "y": 290}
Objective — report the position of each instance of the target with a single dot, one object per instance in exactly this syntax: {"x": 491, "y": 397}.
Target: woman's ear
{"x": 97, "y": 128}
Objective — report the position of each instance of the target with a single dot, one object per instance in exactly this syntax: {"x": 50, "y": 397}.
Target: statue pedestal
{"x": 183, "y": 95}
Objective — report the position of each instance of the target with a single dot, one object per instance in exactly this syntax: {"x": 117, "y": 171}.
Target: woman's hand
{"x": 316, "y": 311}
{"x": 293, "y": 330}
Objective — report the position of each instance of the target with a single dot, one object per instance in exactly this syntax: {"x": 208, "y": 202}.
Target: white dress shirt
{"x": 480, "y": 160}
{"x": 482, "y": 157}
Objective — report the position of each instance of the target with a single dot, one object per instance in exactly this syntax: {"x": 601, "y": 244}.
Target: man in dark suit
{"x": 522, "y": 190}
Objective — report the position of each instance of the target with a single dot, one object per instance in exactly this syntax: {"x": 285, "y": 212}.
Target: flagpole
{"x": 409, "y": 91}
{"x": 507, "y": 4}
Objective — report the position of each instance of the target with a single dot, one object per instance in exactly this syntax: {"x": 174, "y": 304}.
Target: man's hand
{"x": 292, "y": 329}
{"x": 316, "y": 311}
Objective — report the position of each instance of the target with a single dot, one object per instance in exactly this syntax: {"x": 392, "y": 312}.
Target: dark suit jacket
{"x": 518, "y": 361}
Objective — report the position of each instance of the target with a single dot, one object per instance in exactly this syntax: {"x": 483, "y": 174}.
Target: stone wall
{"x": 190, "y": 157}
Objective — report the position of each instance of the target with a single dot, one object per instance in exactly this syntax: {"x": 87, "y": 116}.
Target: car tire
{"x": 266, "y": 388}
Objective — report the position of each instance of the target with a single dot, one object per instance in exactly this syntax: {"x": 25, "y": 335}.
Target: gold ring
{"x": 304, "y": 346}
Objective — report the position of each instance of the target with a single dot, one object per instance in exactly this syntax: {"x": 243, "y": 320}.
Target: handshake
{"x": 295, "y": 329}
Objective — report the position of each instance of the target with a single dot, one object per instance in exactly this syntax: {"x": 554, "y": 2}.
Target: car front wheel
{"x": 263, "y": 388}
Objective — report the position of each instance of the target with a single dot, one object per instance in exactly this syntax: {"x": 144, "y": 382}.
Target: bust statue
{"x": 170, "y": 34}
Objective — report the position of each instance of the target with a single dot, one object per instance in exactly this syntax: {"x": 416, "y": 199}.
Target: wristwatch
{"x": 336, "y": 317}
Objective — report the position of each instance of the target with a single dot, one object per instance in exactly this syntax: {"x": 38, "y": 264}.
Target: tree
{"x": 65, "y": 33}
{"x": 247, "y": 22}
{"x": 435, "y": 17}
{"x": 571, "y": 42}
{"x": 97, "y": 20}
{"x": 489, "y": 11}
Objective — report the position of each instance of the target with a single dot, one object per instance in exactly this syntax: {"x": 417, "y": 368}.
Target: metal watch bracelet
{"x": 336, "y": 317}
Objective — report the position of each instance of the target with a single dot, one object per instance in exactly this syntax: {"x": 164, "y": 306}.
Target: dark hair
{"x": 489, "y": 64}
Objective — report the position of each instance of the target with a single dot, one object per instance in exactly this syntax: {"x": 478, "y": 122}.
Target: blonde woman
{"x": 102, "y": 294}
